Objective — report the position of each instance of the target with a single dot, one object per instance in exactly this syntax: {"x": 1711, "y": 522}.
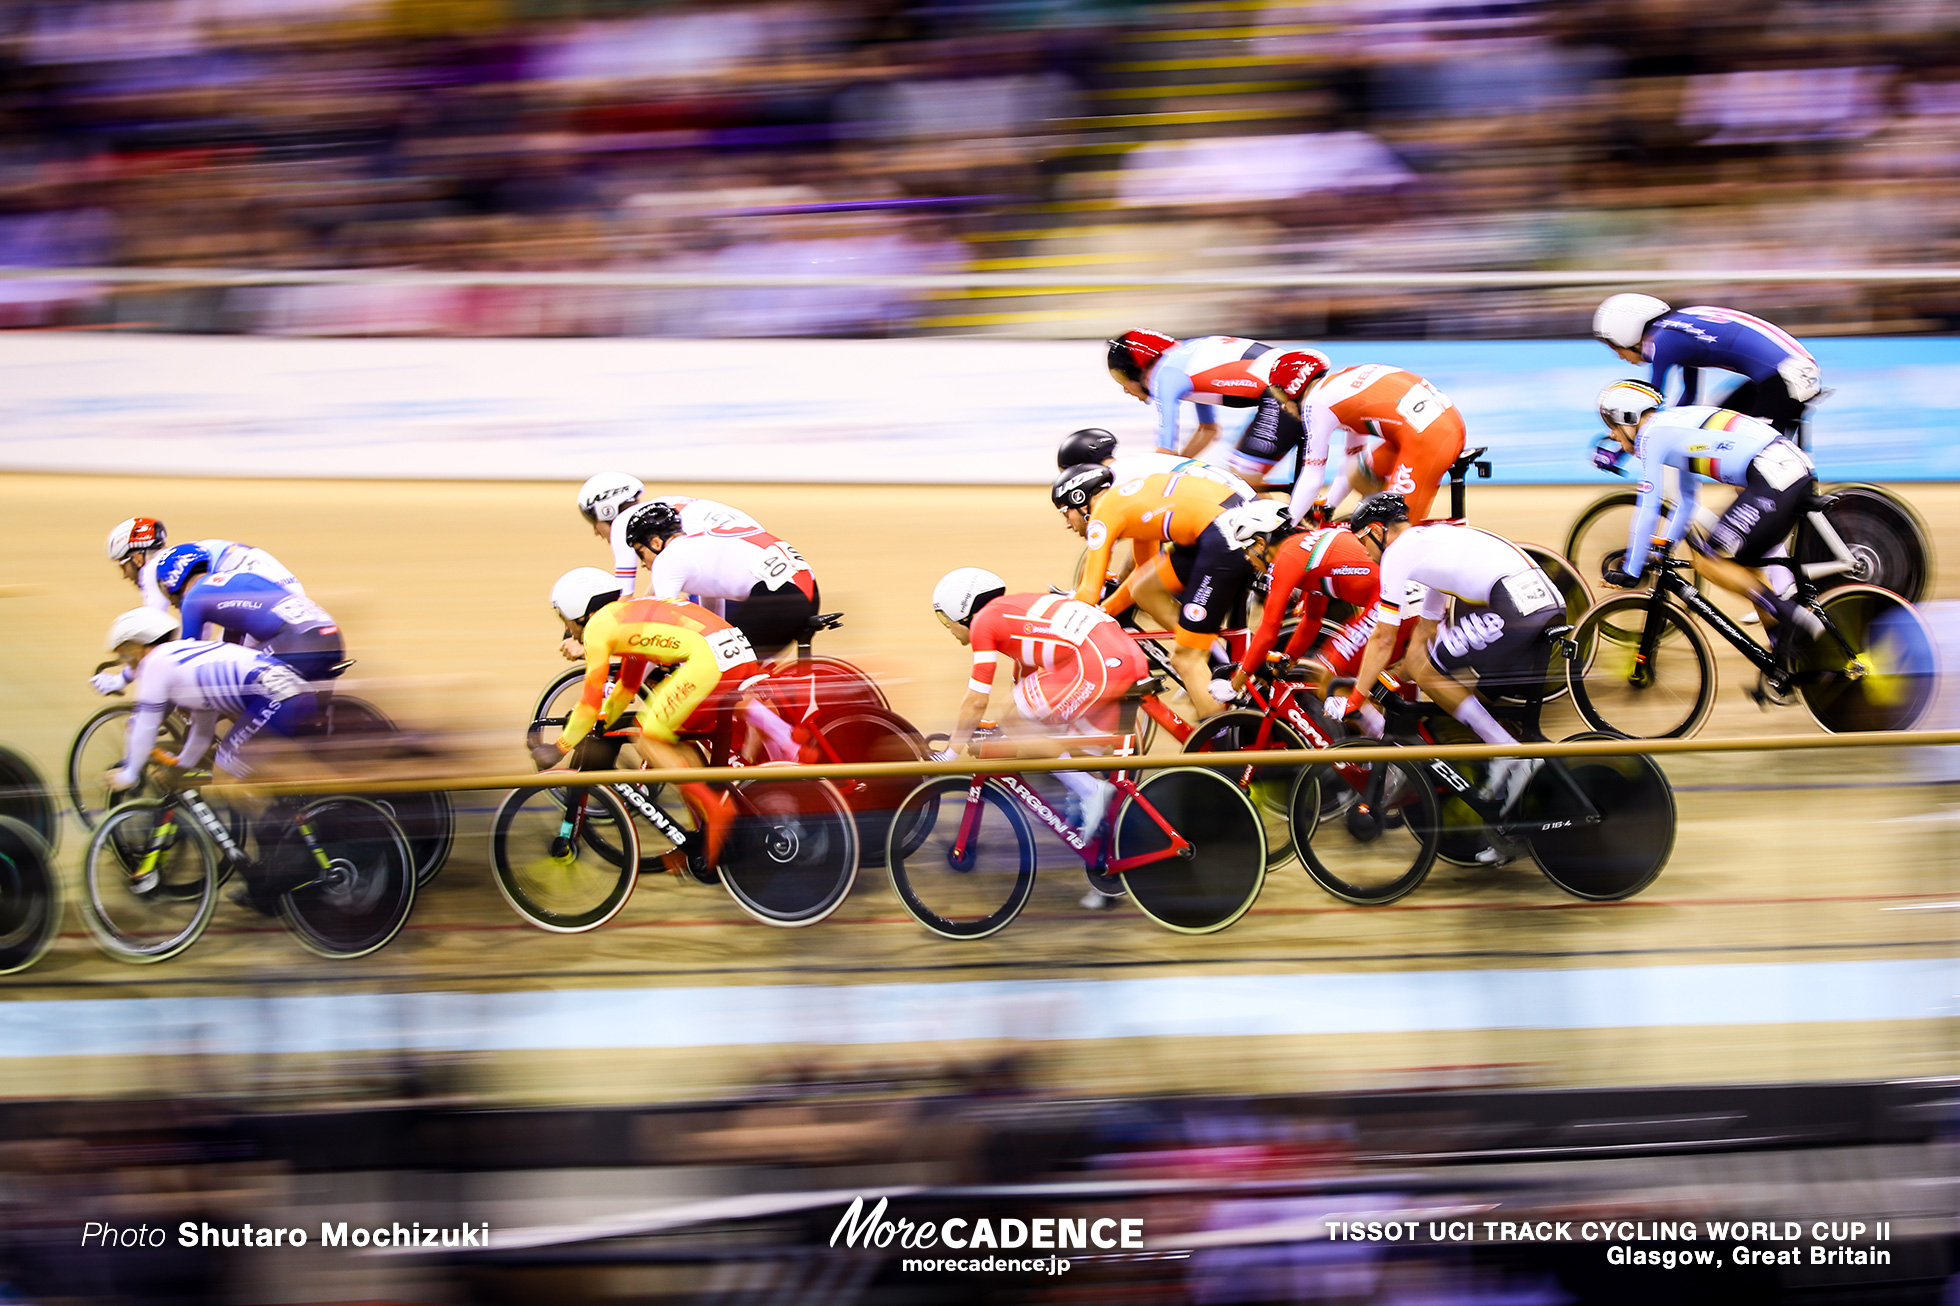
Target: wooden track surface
{"x": 443, "y": 591}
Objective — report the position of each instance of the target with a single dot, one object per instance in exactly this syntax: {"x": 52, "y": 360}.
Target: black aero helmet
{"x": 1091, "y": 444}
{"x": 1384, "y": 509}
{"x": 652, "y": 521}
{"x": 1078, "y": 486}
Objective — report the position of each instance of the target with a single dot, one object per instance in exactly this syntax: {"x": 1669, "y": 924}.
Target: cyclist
{"x": 1072, "y": 664}
{"x": 1319, "y": 565}
{"x": 608, "y": 499}
{"x": 1780, "y": 376}
{"x": 1775, "y": 477}
{"x": 769, "y": 592}
{"x": 1420, "y": 430}
{"x": 1505, "y": 604}
{"x": 1208, "y": 371}
{"x": 249, "y": 609}
{"x": 221, "y": 558}
{"x": 1277, "y": 430}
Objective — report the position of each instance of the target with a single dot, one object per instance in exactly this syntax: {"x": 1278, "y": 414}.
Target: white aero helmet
{"x": 603, "y": 496}
{"x": 1622, "y": 319}
{"x": 143, "y": 626}
{"x": 1624, "y": 403}
{"x": 956, "y": 595}
{"x": 144, "y": 533}
{"x": 582, "y": 591}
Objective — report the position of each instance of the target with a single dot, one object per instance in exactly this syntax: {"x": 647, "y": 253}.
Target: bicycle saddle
{"x": 1820, "y": 503}
{"x": 1145, "y": 688}
{"x": 822, "y": 621}
{"x": 1470, "y": 458}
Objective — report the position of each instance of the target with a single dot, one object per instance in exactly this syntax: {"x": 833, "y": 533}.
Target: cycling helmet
{"x": 582, "y": 591}
{"x": 1260, "y": 522}
{"x": 1078, "y": 486}
{"x": 603, "y": 496}
{"x": 1294, "y": 371}
{"x": 1383, "y": 509}
{"x": 145, "y": 626}
{"x": 180, "y": 565}
{"x": 1624, "y": 403}
{"x": 1622, "y": 319}
{"x": 143, "y": 533}
{"x": 1091, "y": 444}
{"x": 658, "y": 520}
{"x": 964, "y": 591}
{"x": 1132, "y": 353}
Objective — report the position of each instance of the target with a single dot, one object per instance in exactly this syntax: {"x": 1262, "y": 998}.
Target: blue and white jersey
{"x": 1701, "y": 443}
{"x": 205, "y": 678}
{"x": 1208, "y": 371}
{"x": 1690, "y": 339}
{"x": 227, "y": 556}
{"x": 251, "y": 605}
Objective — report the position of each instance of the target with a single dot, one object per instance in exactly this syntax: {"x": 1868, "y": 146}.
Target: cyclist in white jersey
{"x": 760, "y": 584}
{"x": 1504, "y": 606}
{"x": 141, "y": 541}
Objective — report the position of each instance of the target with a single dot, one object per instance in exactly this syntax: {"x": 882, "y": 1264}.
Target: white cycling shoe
{"x": 1507, "y": 780}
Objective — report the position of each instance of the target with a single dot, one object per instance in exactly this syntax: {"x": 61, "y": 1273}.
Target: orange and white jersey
{"x": 1356, "y": 402}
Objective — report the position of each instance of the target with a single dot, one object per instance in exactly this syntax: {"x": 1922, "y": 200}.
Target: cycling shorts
{"x": 283, "y": 714}
{"x": 688, "y": 698}
{"x": 1501, "y": 644}
{"x": 1272, "y": 434}
{"x": 1775, "y": 489}
{"x": 774, "y": 618}
{"x": 1770, "y": 400}
{"x": 1213, "y": 578}
{"x": 1087, "y": 685}
{"x": 316, "y": 653}
{"x": 1418, "y": 466}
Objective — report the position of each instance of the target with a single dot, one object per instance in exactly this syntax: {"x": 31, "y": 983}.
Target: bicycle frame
{"x": 1669, "y": 583}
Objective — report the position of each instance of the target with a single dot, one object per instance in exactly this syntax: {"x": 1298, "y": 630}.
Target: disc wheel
{"x": 1365, "y": 852}
{"x": 1221, "y": 877}
{"x": 1886, "y": 539}
{"x": 1269, "y": 787}
{"x": 965, "y": 896}
{"x": 30, "y": 896}
{"x": 134, "y": 917}
{"x": 1887, "y": 680}
{"x": 24, "y": 796}
{"x": 1638, "y": 684}
{"x": 564, "y": 880}
{"x": 361, "y": 882}
{"x": 792, "y": 855}
{"x": 1626, "y": 850}
{"x": 869, "y": 734}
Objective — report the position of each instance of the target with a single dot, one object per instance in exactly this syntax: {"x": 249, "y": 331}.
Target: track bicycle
{"x": 30, "y": 890}
{"x": 1186, "y": 844}
{"x": 340, "y": 865}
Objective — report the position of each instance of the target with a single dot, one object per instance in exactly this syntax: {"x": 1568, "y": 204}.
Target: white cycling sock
{"x": 1086, "y": 787}
{"x": 780, "y": 742}
{"x": 1472, "y": 712}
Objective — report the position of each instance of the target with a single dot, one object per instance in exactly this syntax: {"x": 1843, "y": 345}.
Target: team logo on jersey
{"x": 1194, "y": 612}
{"x": 1098, "y": 534}
{"x": 1403, "y": 481}
{"x": 653, "y": 641}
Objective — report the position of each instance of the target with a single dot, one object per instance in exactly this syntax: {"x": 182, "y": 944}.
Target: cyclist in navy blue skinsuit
{"x": 257, "y": 610}
{"x": 1781, "y": 376}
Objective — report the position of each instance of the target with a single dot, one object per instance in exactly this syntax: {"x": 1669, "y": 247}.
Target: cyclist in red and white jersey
{"x": 1420, "y": 430}
{"x": 1320, "y": 566}
{"x": 760, "y": 584}
{"x": 608, "y": 499}
{"x": 1208, "y": 371}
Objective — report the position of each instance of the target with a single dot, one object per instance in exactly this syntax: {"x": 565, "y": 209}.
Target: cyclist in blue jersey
{"x": 252, "y": 610}
{"x": 1781, "y": 377}
{"x": 1209, "y": 372}
{"x": 1717, "y": 444}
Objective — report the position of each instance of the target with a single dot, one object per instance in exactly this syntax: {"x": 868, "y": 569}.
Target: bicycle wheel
{"x": 970, "y": 897}
{"x": 24, "y": 796}
{"x": 1886, "y": 539}
{"x": 1220, "y": 878}
{"x": 30, "y": 896}
{"x": 1621, "y": 855}
{"x": 1666, "y": 694}
{"x": 360, "y": 898}
{"x": 98, "y": 750}
{"x": 1361, "y": 853}
{"x": 792, "y": 855}
{"x": 1887, "y": 681}
{"x": 565, "y": 688}
{"x": 428, "y": 821}
{"x": 558, "y": 880}
{"x": 868, "y": 734}
{"x": 1577, "y": 596}
{"x": 136, "y": 918}
{"x": 1269, "y": 787}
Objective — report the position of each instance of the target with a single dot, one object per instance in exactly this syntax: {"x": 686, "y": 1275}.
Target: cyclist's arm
{"x": 1382, "y": 643}
{"x": 204, "y": 725}
{"x": 626, "y": 563}
{"x": 1207, "y": 432}
{"x": 973, "y": 707}
{"x": 137, "y": 743}
{"x": 1684, "y": 511}
{"x": 1168, "y": 388}
{"x": 667, "y": 578}
{"x": 1321, "y": 424}
{"x": 632, "y": 674}
{"x": 1101, "y": 539}
{"x": 599, "y": 633}
{"x": 1288, "y": 570}
{"x": 1671, "y": 354}
{"x": 1647, "y": 512}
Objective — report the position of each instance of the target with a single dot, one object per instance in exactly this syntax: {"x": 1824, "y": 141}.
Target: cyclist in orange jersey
{"x": 1421, "y": 434}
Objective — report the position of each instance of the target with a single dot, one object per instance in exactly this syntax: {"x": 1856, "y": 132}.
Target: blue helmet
{"x": 176, "y": 567}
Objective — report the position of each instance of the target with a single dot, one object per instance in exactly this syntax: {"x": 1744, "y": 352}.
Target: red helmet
{"x": 1294, "y": 371}
{"x": 1134, "y": 351}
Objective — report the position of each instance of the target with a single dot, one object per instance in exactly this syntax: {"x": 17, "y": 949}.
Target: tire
{"x": 24, "y": 796}
{"x": 792, "y": 855}
{"x": 1675, "y": 694}
{"x": 1888, "y": 542}
{"x": 1358, "y": 855}
{"x": 350, "y": 717}
{"x": 1625, "y": 852}
{"x": 1221, "y": 879}
{"x": 834, "y": 683}
{"x": 427, "y": 819}
{"x": 587, "y": 884}
{"x": 1269, "y": 787}
{"x": 1891, "y": 680}
{"x": 30, "y": 896}
{"x": 98, "y": 749}
{"x": 361, "y": 899}
{"x": 566, "y": 686}
{"x": 156, "y": 923}
{"x": 868, "y": 734}
{"x": 954, "y": 902}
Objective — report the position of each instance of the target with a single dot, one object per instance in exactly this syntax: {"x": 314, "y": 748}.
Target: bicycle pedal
{"x": 145, "y": 884}
{"x": 674, "y": 863}
{"x": 1110, "y": 886}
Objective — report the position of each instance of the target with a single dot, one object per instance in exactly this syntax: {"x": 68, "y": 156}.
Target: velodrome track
{"x": 1805, "y": 929}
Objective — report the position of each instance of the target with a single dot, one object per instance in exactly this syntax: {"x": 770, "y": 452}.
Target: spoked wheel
{"x": 961, "y": 891}
{"x": 1885, "y": 538}
{"x": 1621, "y": 855}
{"x": 1221, "y": 877}
{"x": 149, "y": 884}
{"x": 1886, "y": 681}
{"x": 792, "y": 855}
{"x": 1627, "y": 681}
{"x": 98, "y": 750}
{"x": 833, "y": 682}
{"x": 869, "y": 734}
{"x": 24, "y": 796}
{"x": 30, "y": 896}
{"x": 361, "y": 882}
{"x": 1269, "y": 787}
{"x": 566, "y": 859}
{"x": 1359, "y": 847}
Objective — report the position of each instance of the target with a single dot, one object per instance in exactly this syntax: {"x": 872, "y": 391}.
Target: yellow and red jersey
{"x": 704, "y": 650}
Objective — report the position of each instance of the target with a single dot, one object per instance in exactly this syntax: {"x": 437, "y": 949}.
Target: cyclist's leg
{"x": 278, "y": 868}
{"x": 686, "y": 690}
{"x": 1754, "y": 526}
{"x": 1217, "y": 578}
{"x": 1269, "y": 437}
